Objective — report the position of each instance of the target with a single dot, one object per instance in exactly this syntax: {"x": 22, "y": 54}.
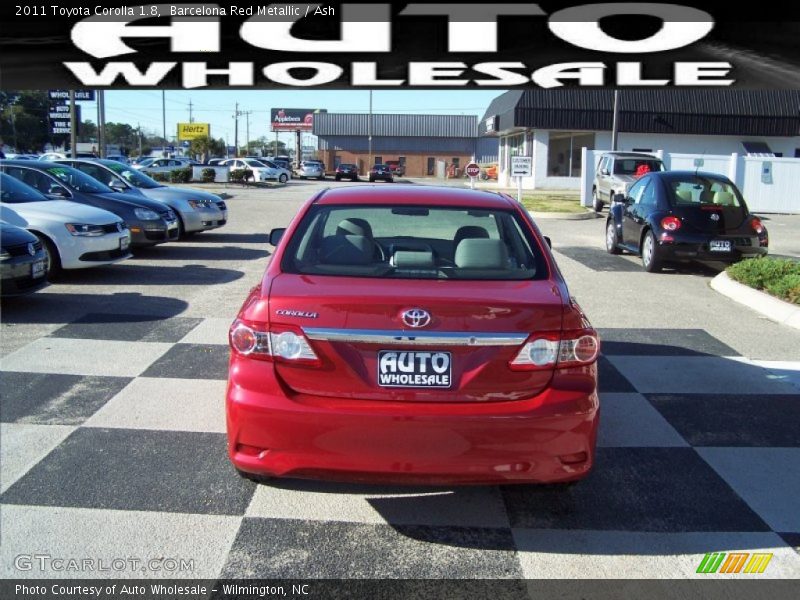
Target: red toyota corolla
{"x": 412, "y": 334}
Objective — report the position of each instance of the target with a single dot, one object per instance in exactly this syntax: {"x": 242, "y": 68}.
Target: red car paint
{"x": 327, "y": 417}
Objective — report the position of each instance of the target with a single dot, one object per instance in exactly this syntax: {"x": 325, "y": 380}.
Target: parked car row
{"x": 88, "y": 212}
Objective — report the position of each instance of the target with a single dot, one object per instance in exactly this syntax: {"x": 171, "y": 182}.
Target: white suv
{"x": 617, "y": 172}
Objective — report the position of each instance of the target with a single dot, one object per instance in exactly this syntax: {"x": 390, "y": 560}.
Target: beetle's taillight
{"x": 550, "y": 350}
{"x": 671, "y": 223}
{"x": 755, "y": 223}
{"x": 279, "y": 344}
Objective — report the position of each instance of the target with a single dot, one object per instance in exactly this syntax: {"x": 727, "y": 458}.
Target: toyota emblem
{"x": 715, "y": 217}
{"x": 31, "y": 249}
{"x": 416, "y": 317}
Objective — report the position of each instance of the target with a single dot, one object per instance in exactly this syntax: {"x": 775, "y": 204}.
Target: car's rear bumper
{"x": 697, "y": 248}
{"x": 548, "y": 438}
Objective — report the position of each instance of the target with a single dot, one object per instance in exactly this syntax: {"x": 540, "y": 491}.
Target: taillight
{"x": 550, "y": 350}
{"x": 755, "y": 222}
{"x": 279, "y": 344}
{"x": 671, "y": 223}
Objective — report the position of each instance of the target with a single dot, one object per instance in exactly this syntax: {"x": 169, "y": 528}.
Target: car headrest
{"x": 346, "y": 250}
{"x": 474, "y": 253}
{"x": 684, "y": 196}
{"x": 724, "y": 198}
{"x": 354, "y": 226}
{"x": 413, "y": 259}
{"x": 469, "y": 231}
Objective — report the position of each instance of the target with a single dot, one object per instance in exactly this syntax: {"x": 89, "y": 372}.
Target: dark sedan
{"x": 681, "y": 216}
{"x": 346, "y": 171}
{"x": 150, "y": 222}
{"x": 382, "y": 172}
{"x": 23, "y": 262}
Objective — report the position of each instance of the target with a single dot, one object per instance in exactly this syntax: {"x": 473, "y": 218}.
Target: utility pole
{"x": 615, "y": 124}
{"x": 191, "y": 118}
{"x": 101, "y": 125}
{"x": 164, "y": 119}
{"x": 139, "y": 131}
{"x": 369, "y": 133}
{"x": 247, "y": 113}
{"x": 73, "y": 125}
{"x": 236, "y": 131}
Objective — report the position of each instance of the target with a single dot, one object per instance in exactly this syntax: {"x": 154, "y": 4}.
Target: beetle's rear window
{"x": 414, "y": 242}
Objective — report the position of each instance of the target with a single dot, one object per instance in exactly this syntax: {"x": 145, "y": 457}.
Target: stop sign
{"x": 472, "y": 170}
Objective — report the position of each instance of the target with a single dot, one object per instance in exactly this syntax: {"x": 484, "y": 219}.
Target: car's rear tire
{"x": 372, "y": 180}
{"x": 651, "y": 261}
{"x": 54, "y": 268}
{"x": 337, "y": 178}
{"x": 596, "y": 202}
{"x": 612, "y": 239}
{"x": 283, "y": 178}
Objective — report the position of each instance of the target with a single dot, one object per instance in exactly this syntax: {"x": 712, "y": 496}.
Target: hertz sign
{"x": 192, "y": 131}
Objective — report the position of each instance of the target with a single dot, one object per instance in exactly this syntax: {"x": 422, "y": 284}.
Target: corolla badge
{"x": 715, "y": 217}
{"x": 297, "y": 313}
{"x": 416, "y": 317}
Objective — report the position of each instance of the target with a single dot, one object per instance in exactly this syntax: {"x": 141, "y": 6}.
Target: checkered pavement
{"x": 113, "y": 445}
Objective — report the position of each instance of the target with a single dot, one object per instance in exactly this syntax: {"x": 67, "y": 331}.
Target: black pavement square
{"x": 598, "y": 259}
{"x": 128, "y": 328}
{"x": 192, "y": 361}
{"x": 610, "y": 380}
{"x": 124, "y": 469}
{"x": 793, "y": 539}
{"x": 55, "y": 399}
{"x": 662, "y": 342}
{"x": 288, "y": 548}
{"x": 732, "y": 420}
{"x": 637, "y": 489}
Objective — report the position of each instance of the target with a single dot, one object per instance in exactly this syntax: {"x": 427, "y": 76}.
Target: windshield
{"x": 146, "y": 162}
{"x": 132, "y": 176}
{"x": 13, "y": 191}
{"x": 254, "y": 163}
{"x": 636, "y": 166}
{"x": 703, "y": 191}
{"x": 415, "y": 242}
{"x": 78, "y": 181}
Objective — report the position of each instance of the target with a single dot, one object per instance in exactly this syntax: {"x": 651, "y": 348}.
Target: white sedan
{"x": 75, "y": 236}
{"x": 261, "y": 171}
{"x": 161, "y": 165}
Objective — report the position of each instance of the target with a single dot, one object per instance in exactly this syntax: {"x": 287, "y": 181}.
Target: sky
{"x": 143, "y": 107}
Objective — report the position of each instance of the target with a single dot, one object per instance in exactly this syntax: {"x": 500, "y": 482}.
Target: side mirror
{"x": 621, "y": 198}
{"x": 118, "y": 186}
{"x": 275, "y": 236}
{"x": 549, "y": 242}
{"x": 603, "y": 171}
{"x": 57, "y": 190}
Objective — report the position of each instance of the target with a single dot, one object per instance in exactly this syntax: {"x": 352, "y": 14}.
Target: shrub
{"x": 241, "y": 175}
{"x": 758, "y": 273}
{"x": 161, "y": 177}
{"x": 208, "y": 175}
{"x": 181, "y": 175}
{"x": 787, "y": 287}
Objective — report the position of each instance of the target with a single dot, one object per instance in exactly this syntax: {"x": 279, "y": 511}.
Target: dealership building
{"x": 427, "y": 145}
{"x": 552, "y": 126}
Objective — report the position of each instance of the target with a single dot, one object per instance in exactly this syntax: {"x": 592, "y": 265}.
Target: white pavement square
{"x": 198, "y": 544}
{"x": 698, "y": 375}
{"x": 24, "y": 445}
{"x": 562, "y": 554}
{"x": 85, "y": 357}
{"x": 629, "y": 420}
{"x": 165, "y": 404}
{"x": 462, "y": 506}
{"x": 768, "y": 479}
{"x": 210, "y": 331}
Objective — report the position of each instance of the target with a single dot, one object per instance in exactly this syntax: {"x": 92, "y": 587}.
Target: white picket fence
{"x": 769, "y": 185}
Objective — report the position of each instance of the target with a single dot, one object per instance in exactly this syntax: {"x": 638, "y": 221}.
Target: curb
{"x": 773, "y": 308}
{"x": 566, "y": 216}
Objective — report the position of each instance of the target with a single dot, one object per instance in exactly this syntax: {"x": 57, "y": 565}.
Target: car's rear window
{"x": 703, "y": 191}
{"x": 636, "y": 166}
{"x": 416, "y": 242}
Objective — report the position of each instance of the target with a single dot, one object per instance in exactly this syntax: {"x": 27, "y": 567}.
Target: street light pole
{"x": 164, "y": 119}
{"x": 73, "y": 125}
{"x": 236, "y": 130}
{"x": 369, "y": 132}
{"x": 615, "y": 124}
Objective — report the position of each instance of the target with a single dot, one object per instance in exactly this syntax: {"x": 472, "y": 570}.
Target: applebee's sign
{"x": 365, "y": 44}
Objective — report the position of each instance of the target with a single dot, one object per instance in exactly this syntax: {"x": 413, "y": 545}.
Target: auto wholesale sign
{"x": 403, "y": 45}
{"x": 293, "y": 119}
{"x": 192, "y": 131}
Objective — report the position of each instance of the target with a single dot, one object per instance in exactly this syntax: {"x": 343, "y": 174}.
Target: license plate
{"x": 719, "y": 246}
{"x": 38, "y": 269}
{"x": 124, "y": 242}
{"x": 414, "y": 369}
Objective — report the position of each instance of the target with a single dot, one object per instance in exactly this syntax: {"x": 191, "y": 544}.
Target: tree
{"x": 24, "y": 122}
{"x": 206, "y": 147}
{"x": 87, "y": 131}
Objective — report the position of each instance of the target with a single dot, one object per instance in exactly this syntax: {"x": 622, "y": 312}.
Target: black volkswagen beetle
{"x": 23, "y": 262}
{"x": 684, "y": 215}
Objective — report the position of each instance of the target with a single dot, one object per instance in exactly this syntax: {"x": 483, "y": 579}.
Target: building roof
{"x": 449, "y": 126}
{"x": 430, "y": 196}
{"x": 684, "y": 111}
